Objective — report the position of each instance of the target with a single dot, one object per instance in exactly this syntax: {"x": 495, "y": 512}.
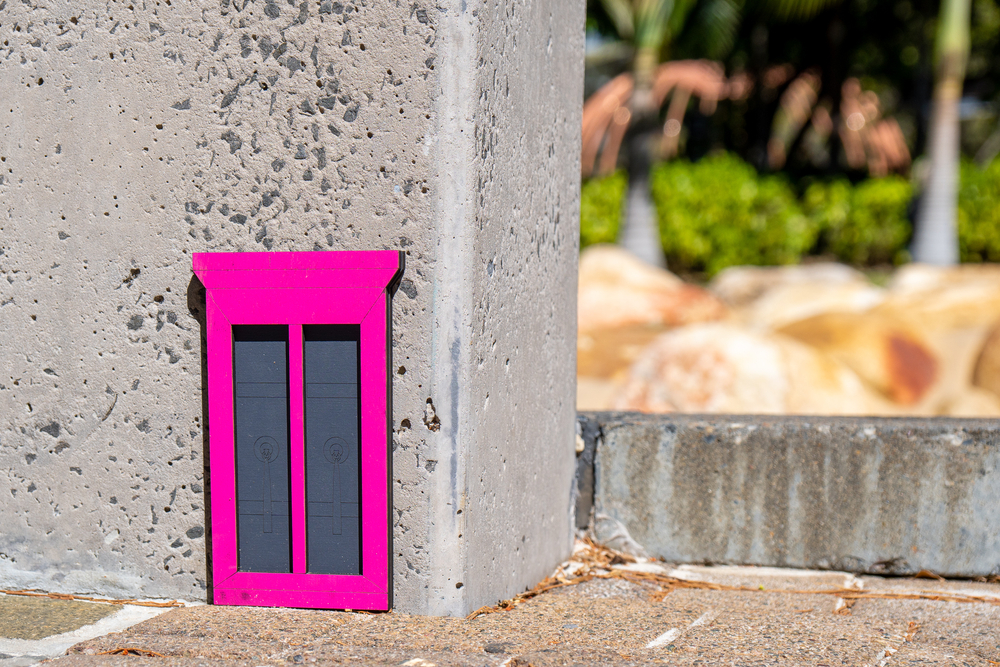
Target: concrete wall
{"x": 884, "y": 496}
{"x": 505, "y": 314}
{"x": 133, "y": 134}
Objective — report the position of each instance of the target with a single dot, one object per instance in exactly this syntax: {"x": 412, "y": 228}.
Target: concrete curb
{"x": 870, "y": 495}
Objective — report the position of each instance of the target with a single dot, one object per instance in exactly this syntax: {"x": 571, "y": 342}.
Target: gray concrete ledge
{"x": 873, "y": 495}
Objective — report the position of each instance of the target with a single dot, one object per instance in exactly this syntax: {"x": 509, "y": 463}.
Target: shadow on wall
{"x": 196, "y": 307}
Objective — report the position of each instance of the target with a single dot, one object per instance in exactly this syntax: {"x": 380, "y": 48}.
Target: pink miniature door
{"x": 299, "y": 409}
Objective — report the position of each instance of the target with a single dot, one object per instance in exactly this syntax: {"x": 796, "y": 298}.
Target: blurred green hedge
{"x": 720, "y": 212}
{"x": 601, "y": 208}
{"x": 979, "y": 213}
{"x": 863, "y": 224}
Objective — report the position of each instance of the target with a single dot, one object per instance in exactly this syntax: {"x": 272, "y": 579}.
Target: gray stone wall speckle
{"x": 134, "y": 133}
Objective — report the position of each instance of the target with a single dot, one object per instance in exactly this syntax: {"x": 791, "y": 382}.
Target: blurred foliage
{"x": 888, "y": 45}
{"x": 601, "y": 208}
{"x": 719, "y": 212}
{"x": 864, "y": 224}
{"x": 711, "y": 28}
{"x": 979, "y": 213}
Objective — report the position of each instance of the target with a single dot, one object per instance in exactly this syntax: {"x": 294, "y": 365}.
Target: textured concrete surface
{"x": 858, "y": 494}
{"x": 607, "y": 622}
{"x": 141, "y": 132}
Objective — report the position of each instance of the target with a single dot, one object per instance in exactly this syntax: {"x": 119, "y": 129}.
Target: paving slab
{"x": 33, "y": 628}
{"x": 33, "y": 618}
{"x": 601, "y": 621}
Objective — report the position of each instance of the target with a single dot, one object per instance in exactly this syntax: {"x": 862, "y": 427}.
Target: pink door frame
{"x": 296, "y": 289}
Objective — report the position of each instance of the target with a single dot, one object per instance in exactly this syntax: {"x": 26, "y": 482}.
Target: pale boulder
{"x": 891, "y": 356}
{"x": 986, "y": 373}
{"x": 972, "y": 402}
{"x": 724, "y": 368}
{"x": 922, "y": 277}
{"x": 623, "y": 305}
{"x": 790, "y": 303}
{"x": 596, "y": 394}
{"x": 768, "y": 298}
{"x": 954, "y": 309}
{"x": 608, "y": 353}
{"x": 618, "y": 290}
{"x": 940, "y": 298}
{"x": 740, "y": 286}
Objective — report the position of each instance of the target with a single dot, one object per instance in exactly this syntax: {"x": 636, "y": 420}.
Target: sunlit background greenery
{"x": 720, "y": 201}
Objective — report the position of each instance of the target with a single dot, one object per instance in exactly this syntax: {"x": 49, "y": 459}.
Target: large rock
{"x": 890, "y": 356}
{"x": 790, "y": 303}
{"x": 919, "y": 342}
{"x": 768, "y": 298}
{"x": 724, "y": 368}
{"x": 954, "y": 309}
{"x": 618, "y": 290}
{"x": 921, "y": 277}
{"x": 596, "y": 394}
{"x": 986, "y": 373}
{"x": 740, "y": 286}
{"x": 623, "y": 305}
{"x": 608, "y": 353}
{"x": 809, "y": 339}
{"x": 945, "y": 298}
{"x": 972, "y": 402}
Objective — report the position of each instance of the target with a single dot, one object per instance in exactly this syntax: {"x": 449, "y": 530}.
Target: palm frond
{"x": 651, "y": 22}
{"x": 711, "y": 30}
{"x": 795, "y": 10}
{"x": 622, "y": 15}
{"x": 679, "y": 17}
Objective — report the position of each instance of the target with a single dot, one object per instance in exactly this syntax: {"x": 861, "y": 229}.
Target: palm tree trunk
{"x": 935, "y": 240}
{"x": 936, "y": 236}
{"x": 640, "y": 233}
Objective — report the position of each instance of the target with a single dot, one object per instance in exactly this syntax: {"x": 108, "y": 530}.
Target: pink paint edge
{"x": 221, "y": 463}
{"x": 374, "y": 435}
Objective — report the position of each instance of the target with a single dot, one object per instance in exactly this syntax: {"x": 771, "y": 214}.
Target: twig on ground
{"x": 65, "y": 596}
{"x": 595, "y": 561}
{"x": 141, "y": 652}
